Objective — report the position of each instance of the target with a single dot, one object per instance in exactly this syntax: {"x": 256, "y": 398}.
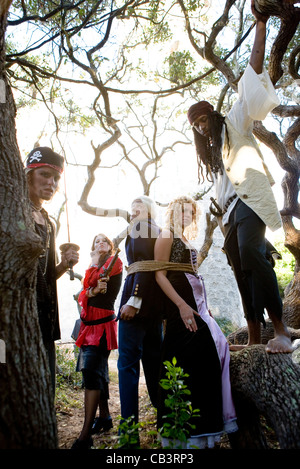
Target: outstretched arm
{"x": 258, "y": 49}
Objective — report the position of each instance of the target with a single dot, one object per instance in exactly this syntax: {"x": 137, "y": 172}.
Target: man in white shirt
{"x": 229, "y": 155}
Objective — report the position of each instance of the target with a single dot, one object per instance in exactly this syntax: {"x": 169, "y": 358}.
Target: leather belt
{"x": 231, "y": 199}
{"x": 220, "y": 212}
{"x": 99, "y": 321}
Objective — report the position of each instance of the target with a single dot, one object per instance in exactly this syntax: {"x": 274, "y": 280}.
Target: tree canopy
{"x": 131, "y": 69}
{"x": 140, "y": 64}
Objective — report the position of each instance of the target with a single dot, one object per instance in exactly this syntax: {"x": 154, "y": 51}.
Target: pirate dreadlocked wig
{"x": 209, "y": 150}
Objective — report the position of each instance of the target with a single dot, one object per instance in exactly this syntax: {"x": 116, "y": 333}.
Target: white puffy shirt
{"x": 256, "y": 99}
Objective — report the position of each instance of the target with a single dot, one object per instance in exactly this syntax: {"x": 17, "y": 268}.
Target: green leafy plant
{"x": 226, "y": 326}
{"x": 285, "y": 267}
{"x": 68, "y": 380}
{"x": 129, "y": 434}
{"x": 66, "y": 372}
{"x": 177, "y": 423}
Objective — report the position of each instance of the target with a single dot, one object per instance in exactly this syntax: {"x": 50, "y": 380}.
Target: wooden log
{"x": 266, "y": 385}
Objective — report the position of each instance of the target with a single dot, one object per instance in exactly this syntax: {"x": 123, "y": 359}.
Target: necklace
{"x": 193, "y": 256}
{"x": 34, "y": 207}
{"x": 45, "y": 236}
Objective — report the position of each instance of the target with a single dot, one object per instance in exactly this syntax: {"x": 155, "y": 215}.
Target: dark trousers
{"x": 245, "y": 246}
{"x": 139, "y": 339}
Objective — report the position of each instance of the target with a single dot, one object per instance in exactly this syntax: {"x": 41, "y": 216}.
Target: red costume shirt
{"x": 100, "y": 306}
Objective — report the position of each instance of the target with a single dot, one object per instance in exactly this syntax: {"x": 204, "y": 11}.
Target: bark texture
{"x": 265, "y": 385}
{"x": 291, "y": 303}
{"x": 27, "y": 417}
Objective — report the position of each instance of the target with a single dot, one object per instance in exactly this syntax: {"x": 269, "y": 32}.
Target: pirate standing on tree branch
{"x": 43, "y": 170}
{"x": 229, "y": 155}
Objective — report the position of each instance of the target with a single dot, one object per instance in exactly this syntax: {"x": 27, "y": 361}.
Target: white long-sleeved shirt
{"x": 256, "y": 99}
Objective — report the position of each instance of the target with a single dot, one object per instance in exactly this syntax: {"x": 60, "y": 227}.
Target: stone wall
{"x": 223, "y": 296}
{"x": 222, "y": 293}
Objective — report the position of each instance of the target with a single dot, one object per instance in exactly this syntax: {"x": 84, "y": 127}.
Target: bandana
{"x": 199, "y": 109}
{"x": 44, "y": 156}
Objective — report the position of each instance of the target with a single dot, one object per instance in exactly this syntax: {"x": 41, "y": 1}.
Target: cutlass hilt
{"x": 64, "y": 248}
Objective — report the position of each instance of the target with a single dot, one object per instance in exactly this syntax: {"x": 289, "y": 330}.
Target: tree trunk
{"x": 265, "y": 384}
{"x": 291, "y": 303}
{"x": 27, "y": 415}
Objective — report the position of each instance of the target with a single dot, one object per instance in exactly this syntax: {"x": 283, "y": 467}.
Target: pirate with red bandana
{"x": 229, "y": 156}
{"x": 43, "y": 171}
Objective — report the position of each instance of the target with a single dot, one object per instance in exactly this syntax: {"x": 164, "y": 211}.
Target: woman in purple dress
{"x": 192, "y": 336}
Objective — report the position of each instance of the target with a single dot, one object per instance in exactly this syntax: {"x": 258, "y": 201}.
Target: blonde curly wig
{"x": 174, "y": 218}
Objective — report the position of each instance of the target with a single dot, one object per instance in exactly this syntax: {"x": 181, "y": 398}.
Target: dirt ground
{"x": 70, "y": 420}
{"x": 70, "y": 416}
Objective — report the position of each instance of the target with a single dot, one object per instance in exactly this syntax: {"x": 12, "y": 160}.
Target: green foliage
{"x": 181, "y": 65}
{"x": 285, "y": 267}
{"x": 158, "y": 29}
{"x": 193, "y": 5}
{"x": 73, "y": 115}
{"x": 67, "y": 380}
{"x": 129, "y": 434}
{"x": 177, "y": 424}
{"x": 66, "y": 362}
{"x": 226, "y": 326}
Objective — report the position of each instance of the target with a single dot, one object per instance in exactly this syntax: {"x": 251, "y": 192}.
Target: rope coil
{"x": 151, "y": 265}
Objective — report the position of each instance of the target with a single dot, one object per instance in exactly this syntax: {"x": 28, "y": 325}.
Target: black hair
{"x": 209, "y": 149}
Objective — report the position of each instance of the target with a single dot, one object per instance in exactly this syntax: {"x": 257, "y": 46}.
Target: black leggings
{"x": 245, "y": 246}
